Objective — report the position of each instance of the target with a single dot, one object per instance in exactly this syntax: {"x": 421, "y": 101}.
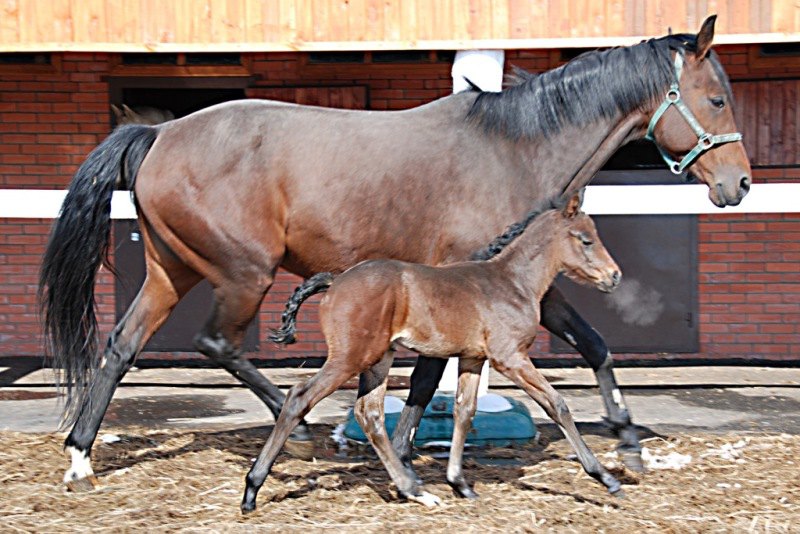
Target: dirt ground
{"x": 192, "y": 481}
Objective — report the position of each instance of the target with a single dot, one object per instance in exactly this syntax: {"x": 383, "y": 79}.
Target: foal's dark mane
{"x": 513, "y": 232}
{"x": 628, "y": 78}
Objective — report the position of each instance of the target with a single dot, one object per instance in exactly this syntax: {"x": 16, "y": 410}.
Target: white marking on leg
{"x": 81, "y": 466}
{"x": 570, "y": 339}
{"x": 426, "y": 499}
{"x": 412, "y": 434}
{"x": 617, "y": 396}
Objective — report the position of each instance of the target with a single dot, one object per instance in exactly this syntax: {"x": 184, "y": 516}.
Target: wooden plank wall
{"x": 271, "y": 25}
{"x": 767, "y": 115}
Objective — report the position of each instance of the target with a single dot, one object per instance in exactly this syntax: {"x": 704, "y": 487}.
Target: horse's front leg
{"x": 424, "y": 380}
{"x": 562, "y": 320}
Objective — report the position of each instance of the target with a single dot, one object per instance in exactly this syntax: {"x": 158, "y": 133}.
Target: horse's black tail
{"x": 78, "y": 245}
{"x": 316, "y": 284}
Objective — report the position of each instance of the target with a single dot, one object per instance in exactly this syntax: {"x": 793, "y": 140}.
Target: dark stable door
{"x": 655, "y": 307}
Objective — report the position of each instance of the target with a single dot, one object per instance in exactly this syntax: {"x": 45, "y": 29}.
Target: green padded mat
{"x": 488, "y": 428}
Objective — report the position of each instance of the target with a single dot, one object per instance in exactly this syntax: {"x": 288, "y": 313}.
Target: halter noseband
{"x": 705, "y": 140}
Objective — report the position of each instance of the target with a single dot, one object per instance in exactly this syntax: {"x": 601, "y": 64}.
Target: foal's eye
{"x": 586, "y": 241}
{"x": 718, "y": 102}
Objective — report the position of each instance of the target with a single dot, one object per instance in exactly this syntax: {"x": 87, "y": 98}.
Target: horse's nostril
{"x": 616, "y": 276}
{"x": 744, "y": 183}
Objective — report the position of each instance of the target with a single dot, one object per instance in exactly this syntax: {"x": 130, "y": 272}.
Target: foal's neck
{"x": 531, "y": 262}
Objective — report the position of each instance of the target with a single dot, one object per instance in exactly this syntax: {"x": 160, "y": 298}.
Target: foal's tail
{"x": 77, "y": 246}
{"x": 316, "y": 284}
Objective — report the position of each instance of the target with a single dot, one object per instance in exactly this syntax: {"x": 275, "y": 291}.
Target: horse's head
{"x": 694, "y": 127}
{"x": 583, "y": 256}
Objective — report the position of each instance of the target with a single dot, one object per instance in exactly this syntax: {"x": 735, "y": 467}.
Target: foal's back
{"x": 438, "y": 311}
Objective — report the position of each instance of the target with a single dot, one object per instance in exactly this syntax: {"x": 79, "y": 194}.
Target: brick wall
{"x": 749, "y": 281}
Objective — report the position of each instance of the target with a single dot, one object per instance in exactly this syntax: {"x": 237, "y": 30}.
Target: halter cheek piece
{"x": 705, "y": 140}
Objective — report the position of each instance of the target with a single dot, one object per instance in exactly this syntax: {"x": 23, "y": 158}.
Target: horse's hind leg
{"x": 519, "y": 369}
{"x": 562, "y": 320}
{"x": 370, "y": 415}
{"x": 160, "y": 292}
{"x": 299, "y": 401}
{"x": 469, "y": 377}
{"x": 235, "y": 306}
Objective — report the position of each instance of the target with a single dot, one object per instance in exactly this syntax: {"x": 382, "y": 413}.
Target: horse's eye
{"x": 718, "y": 102}
{"x": 586, "y": 241}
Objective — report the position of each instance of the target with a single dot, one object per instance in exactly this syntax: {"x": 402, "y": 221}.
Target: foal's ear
{"x": 704, "y": 37}
{"x": 573, "y": 206}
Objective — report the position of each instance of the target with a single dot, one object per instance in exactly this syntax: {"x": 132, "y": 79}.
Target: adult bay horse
{"x": 478, "y": 310}
{"x": 235, "y": 191}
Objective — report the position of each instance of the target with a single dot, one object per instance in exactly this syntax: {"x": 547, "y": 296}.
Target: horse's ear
{"x": 129, "y": 113}
{"x": 574, "y": 204}
{"x": 705, "y": 37}
{"x": 118, "y": 113}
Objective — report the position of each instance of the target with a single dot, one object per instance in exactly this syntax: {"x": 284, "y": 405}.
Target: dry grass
{"x": 192, "y": 481}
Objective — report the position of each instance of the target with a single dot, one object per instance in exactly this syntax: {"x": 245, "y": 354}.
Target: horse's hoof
{"x": 633, "y": 461}
{"x": 619, "y": 493}
{"x": 82, "y": 485}
{"x": 427, "y": 499}
{"x": 247, "y": 507}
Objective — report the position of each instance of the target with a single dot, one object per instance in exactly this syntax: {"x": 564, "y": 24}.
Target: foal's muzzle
{"x": 610, "y": 282}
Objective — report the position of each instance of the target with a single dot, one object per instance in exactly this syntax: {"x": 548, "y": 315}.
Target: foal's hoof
{"x": 466, "y": 493}
{"x": 632, "y": 460}
{"x": 82, "y": 485}
{"x": 612, "y": 484}
{"x": 247, "y": 507}
{"x": 425, "y": 498}
{"x": 300, "y": 444}
{"x": 249, "y": 499}
{"x": 462, "y": 489}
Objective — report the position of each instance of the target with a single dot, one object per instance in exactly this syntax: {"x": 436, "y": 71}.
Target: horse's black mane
{"x": 514, "y": 231}
{"x": 595, "y": 85}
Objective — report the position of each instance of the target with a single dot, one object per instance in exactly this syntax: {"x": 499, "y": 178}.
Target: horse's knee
{"x": 215, "y": 347}
{"x": 117, "y": 359}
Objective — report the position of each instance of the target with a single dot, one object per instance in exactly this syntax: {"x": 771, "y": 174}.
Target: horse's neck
{"x": 569, "y": 159}
{"x": 531, "y": 261}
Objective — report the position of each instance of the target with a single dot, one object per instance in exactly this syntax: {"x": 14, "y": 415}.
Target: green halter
{"x": 705, "y": 140}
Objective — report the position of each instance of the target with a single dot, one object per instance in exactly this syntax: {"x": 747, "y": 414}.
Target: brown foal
{"x": 475, "y": 309}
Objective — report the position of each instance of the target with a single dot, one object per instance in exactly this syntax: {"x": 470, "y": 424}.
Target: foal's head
{"x": 581, "y": 254}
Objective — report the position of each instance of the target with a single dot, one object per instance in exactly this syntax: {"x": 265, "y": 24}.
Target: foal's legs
{"x": 369, "y": 414}
{"x": 235, "y": 306}
{"x": 562, "y": 320}
{"x": 519, "y": 369}
{"x": 160, "y": 292}
{"x": 299, "y": 401}
{"x": 469, "y": 377}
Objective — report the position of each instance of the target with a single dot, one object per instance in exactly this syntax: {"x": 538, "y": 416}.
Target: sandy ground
{"x": 731, "y": 436}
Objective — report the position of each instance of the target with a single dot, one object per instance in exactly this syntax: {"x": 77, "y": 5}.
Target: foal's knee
{"x": 560, "y": 408}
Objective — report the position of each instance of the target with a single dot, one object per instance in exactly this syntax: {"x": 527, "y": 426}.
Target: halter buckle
{"x": 706, "y": 141}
